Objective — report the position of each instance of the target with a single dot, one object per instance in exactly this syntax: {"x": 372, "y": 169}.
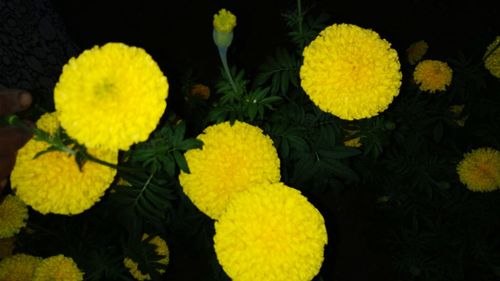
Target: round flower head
{"x": 224, "y": 21}
{"x": 270, "y": 232}
{"x": 416, "y": 51}
{"x": 492, "y": 58}
{"x": 480, "y": 170}
{"x": 161, "y": 250}
{"x": 432, "y": 75}
{"x": 13, "y": 215}
{"x": 53, "y": 182}
{"x": 18, "y": 267}
{"x": 111, "y": 96}
{"x": 350, "y": 72}
{"x": 233, "y": 158}
{"x": 57, "y": 268}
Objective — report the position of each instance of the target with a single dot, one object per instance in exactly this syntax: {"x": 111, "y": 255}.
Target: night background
{"x": 385, "y": 220}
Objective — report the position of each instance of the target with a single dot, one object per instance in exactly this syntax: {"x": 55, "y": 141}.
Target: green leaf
{"x": 181, "y": 162}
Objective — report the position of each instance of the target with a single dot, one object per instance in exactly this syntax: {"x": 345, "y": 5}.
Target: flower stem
{"x": 223, "y": 58}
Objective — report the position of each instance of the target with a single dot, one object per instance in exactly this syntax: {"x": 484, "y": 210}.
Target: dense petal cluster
{"x": 350, "y": 72}
{"x": 416, "y": 51}
{"x": 233, "y": 158}
{"x": 492, "y": 58}
{"x": 161, "y": 250}
{"x": 53, "y": 182}
{"x": 13, "y": 216}
{"x": 18, "y": 267}
{"x": 57, "y": 268}
{"x": 224, "y": 21}
{"x": 111, "y": 96}
{"x": 270, "y": 232}
{"x": 480, "y": 170}
{"x": 432, "y": 75}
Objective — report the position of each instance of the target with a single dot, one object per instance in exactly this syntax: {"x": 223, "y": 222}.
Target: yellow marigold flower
{"x": 13, "y": 216}
{"x": 7, "y": 247}
{"x": 355, "y": 142}
{"x": 18, "y": 267}
{"x": 432, "y": 75}
{"x": 480, "y": 170}
{"x": 270, "y": 232}
{"x": 111, "y": 96}
{"x": 233, "y": 158}
{"x": 224, "y": 21}
{"x": 350, "y": 72}
{"x": 53, "y": 182}
{"x": 416, "y": 51}
{"x": 492, "y": 58}
{"x": 201, "y": 91}
{"x": 57, "y": 268}
{"x": 161, "y": 250}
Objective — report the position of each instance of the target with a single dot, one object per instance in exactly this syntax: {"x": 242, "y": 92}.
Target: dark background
{"x": 178, "y": 33}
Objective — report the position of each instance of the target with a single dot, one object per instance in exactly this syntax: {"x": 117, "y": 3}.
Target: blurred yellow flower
{"x": 416, "y": 51}
{"x": 161, "y": 250}
{"x": 432, "y": 75}
{"x": 492, "y": 57}
{"x": 480, "y": 170}
{"x": 350, "y": 72}
{"x": 13, "y": 216}
{"x": 233, "y": 158}
{"x": 270, "y": 232}
{"x": 224, "y": 21}
{"x": 57, "y": 268}
{"x": 53, "y": 182}
{"x": 200, "y": 91}
{"x": 18, "y": 267}
{"x": 111, "y": 96}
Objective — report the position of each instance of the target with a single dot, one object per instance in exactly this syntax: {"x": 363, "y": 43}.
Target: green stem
{"x": 223, "y": 58}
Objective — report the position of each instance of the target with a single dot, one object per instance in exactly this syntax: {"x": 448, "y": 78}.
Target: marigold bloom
{"x": 18, "y": 267}
{"x": 233, "y": 158}
{"x": 270, "y": 232}
{"x": 224, "y": 21}
{"x": 111, "y": 96}
{"x": 201, "y": 91}
{"x": 350, "y": 72}
{"x": 53, "y": 182}
{"x": 492, "y": 58}
{"x": 13, "y": 216}
{"x": 416, "y": 51}
{"x": 432, "y": 75}
{"x": 161, "y": 250}
{"x": 57, "y": 268}
{"x": 480, "y": 169}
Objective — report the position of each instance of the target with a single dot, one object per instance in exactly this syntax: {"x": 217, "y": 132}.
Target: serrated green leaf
{"x": 181, "y": 161}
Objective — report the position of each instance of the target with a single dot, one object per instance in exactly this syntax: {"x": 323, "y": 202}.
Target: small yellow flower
{"x": 492, "y": 58}
{"x": 270, "y": 232}
{"x": 416, "y": 51}
{"x": 224, "y": 21}
{"x": 233, "y": 158}
{"x": 57, "y": 268}
{"x": 161, "y": 250}
{"x": 53, "y": 182}
{"x": 111, "y": 96}
{"x": 432, "y": 75}
{"x": 480, "y": 170}
{"x": 18, "y": 267}
{"x": 350, "y": 72}
{"x": 200, "y": 91}
{"x": 13, "y": 216}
